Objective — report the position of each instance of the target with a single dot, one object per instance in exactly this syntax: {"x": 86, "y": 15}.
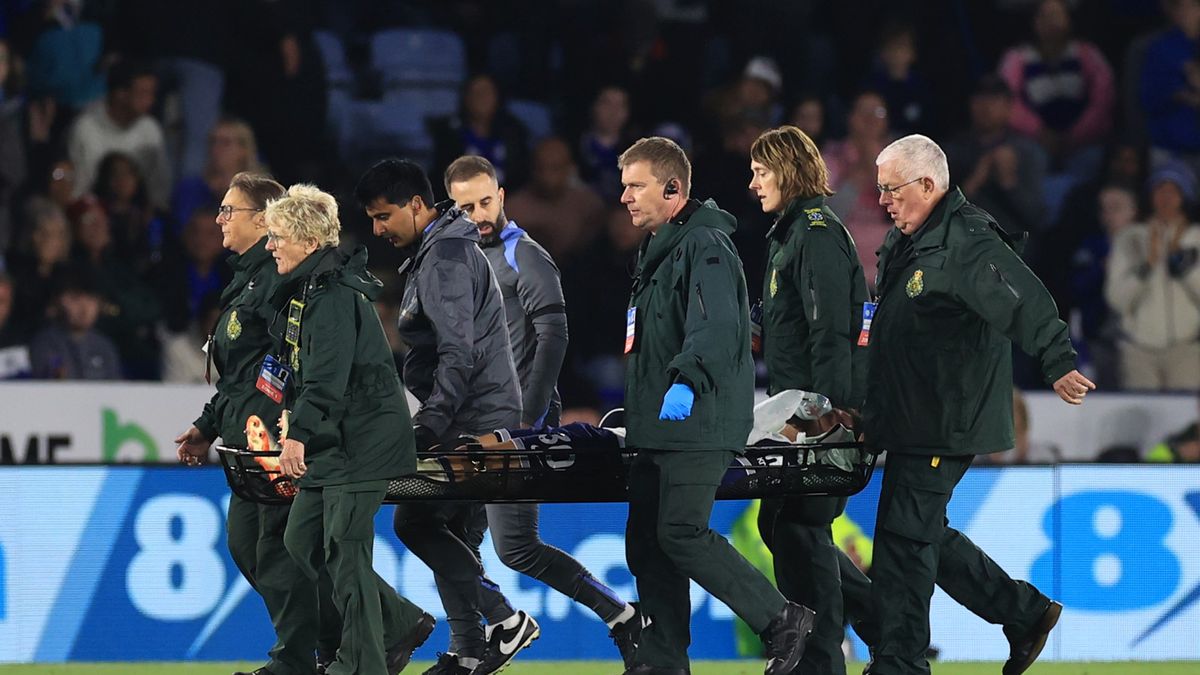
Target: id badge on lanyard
{"x": 630, "y": 329}
{"x": 864, "y": 336}
{"x": 756, "y": 327}
{"x": 273, "y": 378}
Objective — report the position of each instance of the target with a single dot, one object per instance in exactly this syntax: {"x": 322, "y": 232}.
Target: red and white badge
{"x": 864, "y": 336}
{"x": 630, "y": 328}
{"x": 273, "y": 378}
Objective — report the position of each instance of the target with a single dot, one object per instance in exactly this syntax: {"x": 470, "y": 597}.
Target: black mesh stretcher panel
{"x": 471, "y": 473}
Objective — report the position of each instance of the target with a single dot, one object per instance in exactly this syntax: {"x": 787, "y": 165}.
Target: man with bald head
{"x": 953, "y": 297}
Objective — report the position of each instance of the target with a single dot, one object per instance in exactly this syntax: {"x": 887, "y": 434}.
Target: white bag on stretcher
{"x": 770, "y": 422}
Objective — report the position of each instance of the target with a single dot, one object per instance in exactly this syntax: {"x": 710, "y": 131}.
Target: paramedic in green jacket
{"x": 348, "y": 429}
{"x": 953, "y": 297}
{"x": 235, "y": 350}
{"x": 815, "y": 327}
{"x": 689, "y": 392}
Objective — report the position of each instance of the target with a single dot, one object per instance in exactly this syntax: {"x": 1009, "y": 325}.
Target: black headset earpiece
{"x": 671, "y": 188}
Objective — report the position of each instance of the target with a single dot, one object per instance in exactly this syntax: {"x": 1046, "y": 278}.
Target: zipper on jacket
{"x": 1003, "y": 280}
{"x": 812, "y": 292}
{"x": 700, "y": 297}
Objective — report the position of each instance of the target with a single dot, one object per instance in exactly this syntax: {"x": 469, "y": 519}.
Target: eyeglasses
{"x": 275, "y": 237}
{"x": 227, "y": 211}
{"x": 893, "y": 190}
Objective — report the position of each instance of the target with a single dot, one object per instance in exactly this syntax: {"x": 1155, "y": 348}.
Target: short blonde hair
{"x": 667, "y": 161}
{"x": 795, "y": 160}
{"x": 305, "y": 212}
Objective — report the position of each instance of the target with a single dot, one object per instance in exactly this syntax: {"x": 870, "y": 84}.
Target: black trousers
{"x": 812, "y": 571}
{"x": 668, "y": 542}
{"x": 916, "y": 547}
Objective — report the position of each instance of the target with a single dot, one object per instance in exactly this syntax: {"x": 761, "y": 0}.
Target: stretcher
{"x": 575, "y": 463}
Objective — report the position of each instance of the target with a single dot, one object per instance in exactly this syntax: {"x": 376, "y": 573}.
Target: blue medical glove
{"x": 677, "y": 404}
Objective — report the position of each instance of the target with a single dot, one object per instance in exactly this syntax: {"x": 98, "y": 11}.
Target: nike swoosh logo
{"x": 510, "y": 646}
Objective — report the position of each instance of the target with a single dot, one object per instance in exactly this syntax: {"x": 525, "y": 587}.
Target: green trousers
{"x": 255, "y": 536}
{"x": 334, "y": 528}
{"x": 915, "y": 547}
{"x": 668, "y": 542}
{"x": 812, "y": 571}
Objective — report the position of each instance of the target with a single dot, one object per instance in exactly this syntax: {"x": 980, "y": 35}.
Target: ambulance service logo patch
{"x": 815, "y": 217}
{"x": 233, "y": 329}
{"x": 916, "y": 284}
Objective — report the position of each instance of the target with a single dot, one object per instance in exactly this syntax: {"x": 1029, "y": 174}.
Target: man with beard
{"x": 460, "y": 367}
{"x": 537, "y": 328}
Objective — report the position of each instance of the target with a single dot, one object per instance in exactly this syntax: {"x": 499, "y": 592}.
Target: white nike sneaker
{"x": 504, "y": 643}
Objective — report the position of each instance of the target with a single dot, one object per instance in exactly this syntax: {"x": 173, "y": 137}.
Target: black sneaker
{"x": 447, "y": 664}
{"x": 1023, "y": 650}
{"x": 627, "y": 634}
{"x": 261, "y": 671}
{"x": 786, "y": 636}
{"x": 399, "y": 654}
{"x": 323, "y": 663}
{"x": 504, "y": 643}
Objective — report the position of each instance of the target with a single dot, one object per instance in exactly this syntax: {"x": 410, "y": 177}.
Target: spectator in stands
{"x": 14, "y": 342}
{"x": 183, "y": 356}
{"x": 1153, "y": 286}
{"x": 895, "y": 76}
{"x": 595, "y": 314}
{"x": 605, "y": 138}
{"x": 1170, "y": 82}
{"x": 1002, "y": 170}
{"x": 724, "y": 181}
{"x": 808, "y": 115}
{"x": 483, "y": 126}
{"x": 851, "y": 163}
{"x": 130, "y": 306}
{"x": 1125, "y": 166}
{"x": 1180, "y": 447}
{"x": 71, "y": 348}
{"x": 196, "y": 272}
{"x": 12, "y": 146}
{"x": 58, "y": 182}
{"x": 177, "y": 37}
{"x": 1019, "y": 454}
{"x": 1024, "y": 450}
{"x": 1091, "y": 319}
{"x": 139, "y": 230}
{"x": 387, "y": 306}
{"x": 40, "y": 260}
{"x": 279, "y": 85}
{"x": 122, "y": 123}
{"x": 1063, "y": 91}
{"x": 62, "y": 52}
{"x": 755, "y": 94}
{"x": 231, "y": 150}
{"x": 556, "y": 208}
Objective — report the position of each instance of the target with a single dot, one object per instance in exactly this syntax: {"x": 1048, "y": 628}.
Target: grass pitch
{"x": 610, "y": 668}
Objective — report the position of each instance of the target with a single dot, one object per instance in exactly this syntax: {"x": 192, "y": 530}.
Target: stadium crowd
{"x": 123, "y": 121}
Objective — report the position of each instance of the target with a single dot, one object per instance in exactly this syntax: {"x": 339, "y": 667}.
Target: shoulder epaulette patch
{"x": 815, "y": 218}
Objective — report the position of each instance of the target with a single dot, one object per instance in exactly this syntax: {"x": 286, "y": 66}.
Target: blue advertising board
{"x": 129, "y": 563}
